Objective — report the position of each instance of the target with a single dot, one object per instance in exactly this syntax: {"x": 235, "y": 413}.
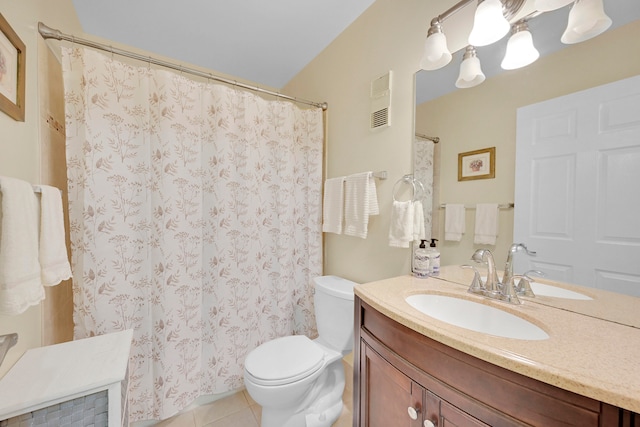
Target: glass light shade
{"x": 520, "y": 51}
{"x": 470, "y": 72}
{"x": 549, "y": 5}
{"x": 586, "y": 20}
{"x": 436, "y": 53}
{"x": 489, "y": 24}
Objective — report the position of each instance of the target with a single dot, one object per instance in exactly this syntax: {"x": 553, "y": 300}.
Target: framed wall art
{"x": 12, "y": 72}
{"x": 478, "y": 164}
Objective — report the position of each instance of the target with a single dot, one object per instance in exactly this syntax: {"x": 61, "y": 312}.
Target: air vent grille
{"x": 381, "y": 101}
{"x": 379, "y": 118}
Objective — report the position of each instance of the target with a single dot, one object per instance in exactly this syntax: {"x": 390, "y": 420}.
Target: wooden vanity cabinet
{"x": 396, "y": 368}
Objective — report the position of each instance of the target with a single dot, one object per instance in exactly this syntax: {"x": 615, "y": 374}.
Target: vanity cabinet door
{"x": 389, "y": 398}
{"x": 443, "y": 414}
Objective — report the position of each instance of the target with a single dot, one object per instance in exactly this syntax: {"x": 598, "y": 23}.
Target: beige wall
{"x": 20, "y": 145}
{"x": 485, "y": 116}
{"x": 389, "y": 36}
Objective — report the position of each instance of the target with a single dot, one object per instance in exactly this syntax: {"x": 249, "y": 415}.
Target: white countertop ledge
{"x": 49, "y": 375}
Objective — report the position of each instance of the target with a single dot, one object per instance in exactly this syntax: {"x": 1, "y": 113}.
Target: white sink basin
{"x": 476, "y": 316}
{"x": 553, "y": 291}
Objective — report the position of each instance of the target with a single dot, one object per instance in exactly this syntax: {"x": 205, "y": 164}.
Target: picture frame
{"x": 12, "y": 72}
{"x": 478, "y": 164}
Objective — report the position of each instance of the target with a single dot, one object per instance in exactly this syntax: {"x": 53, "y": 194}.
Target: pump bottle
{"x": 421, "y": 266}
{"x": 434, "y": 258}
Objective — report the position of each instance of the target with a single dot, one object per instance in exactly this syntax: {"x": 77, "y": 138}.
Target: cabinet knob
{"x": 413, "y": 412}
{"x": 429, "y": 423}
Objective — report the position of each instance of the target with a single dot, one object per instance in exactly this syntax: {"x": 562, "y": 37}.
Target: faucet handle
{"x": 476, "y": 283}
{"x": 536, "y": 272}
{"x": 524, "y": 286}
{"x": 517, "y": 246}
{"x": 509, "y": 293}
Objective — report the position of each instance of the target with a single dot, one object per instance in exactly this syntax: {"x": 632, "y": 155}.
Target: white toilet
{"x": 297, "y": 381}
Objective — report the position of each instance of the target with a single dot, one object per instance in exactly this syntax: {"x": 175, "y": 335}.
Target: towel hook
{"x": 408, "y": 179}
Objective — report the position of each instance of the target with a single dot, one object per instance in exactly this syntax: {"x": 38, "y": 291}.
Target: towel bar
{"x": 500, "y": 206}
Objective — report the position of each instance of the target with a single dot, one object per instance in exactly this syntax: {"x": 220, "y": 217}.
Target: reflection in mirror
{"x": 485, "y": 116}
{"x": 424, "y": 154}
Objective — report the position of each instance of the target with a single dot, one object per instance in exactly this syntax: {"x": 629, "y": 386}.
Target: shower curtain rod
{"x": 435, "y": 139}
{"x": 50, "y": 33}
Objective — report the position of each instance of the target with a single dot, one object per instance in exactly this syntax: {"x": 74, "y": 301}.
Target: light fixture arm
{"x": 449, "y": 12}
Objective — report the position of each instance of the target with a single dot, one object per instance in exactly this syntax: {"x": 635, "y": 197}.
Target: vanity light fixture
{"x": 436, "y": 53}
{"x": 470, "y": 71}
{"x": 520, "y": 49}
{"x": 489, "y": 24}
{"x": 586, "y": 20}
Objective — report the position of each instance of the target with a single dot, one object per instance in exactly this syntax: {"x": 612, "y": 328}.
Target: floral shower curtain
{"x": 195, "y": 215}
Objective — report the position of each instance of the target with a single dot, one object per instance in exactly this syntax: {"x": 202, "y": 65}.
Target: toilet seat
{"x": 284, "y": 360}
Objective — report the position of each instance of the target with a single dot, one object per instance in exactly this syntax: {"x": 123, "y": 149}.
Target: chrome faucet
{"x": 491, "y": 288}
{"x": 511, "y": 285}
{"x": 508, "y": 268}
{"x": 492, "y": 284}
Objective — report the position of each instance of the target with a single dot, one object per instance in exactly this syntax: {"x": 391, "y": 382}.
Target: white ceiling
{"x": 264, "y": 41}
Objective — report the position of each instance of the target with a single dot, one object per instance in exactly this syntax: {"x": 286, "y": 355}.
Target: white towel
{"x": 333, "y": 205}
{"x": 20, "y": 284}
{"x": 454, "y": 222}
{"x": 486, "y": 223}
{"x": 419, "y": 232}
{"x": 54, "y": 262}
{"x": 360, "y": 202}
{"x": 402, "y": 224}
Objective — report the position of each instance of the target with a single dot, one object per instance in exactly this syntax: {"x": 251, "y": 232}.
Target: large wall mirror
{"x": 485, "y": 116}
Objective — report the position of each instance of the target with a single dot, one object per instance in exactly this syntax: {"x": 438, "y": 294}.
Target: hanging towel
{"x": 360, "y": 202}
{"x": 486, "y": 223}
{"x": 454, "y": 222}
{"x": 402, "y": 224}
{"x": 54, "y": 263}
{"x": 333, "y": 205}
{"x": 20, "y": 283}
{"x": 419, "y": 232}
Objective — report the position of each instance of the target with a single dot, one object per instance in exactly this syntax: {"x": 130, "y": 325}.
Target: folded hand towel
{"x": 454, "y": 222}
{"x": 402, "y": 220}
{"x": 360, "y": 202}
{"x": 54, "y": 262}
{"x": 486, "y": 223}
{"x": 20, "y": 284}
{"x": 419, "y": 232}
{"x": 333, "y": 205}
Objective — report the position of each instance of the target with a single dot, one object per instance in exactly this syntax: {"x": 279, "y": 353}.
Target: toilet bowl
{"x": 299, "y": 382}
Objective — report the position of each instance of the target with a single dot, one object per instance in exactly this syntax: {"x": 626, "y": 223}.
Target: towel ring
{"x": 408, "y": 179}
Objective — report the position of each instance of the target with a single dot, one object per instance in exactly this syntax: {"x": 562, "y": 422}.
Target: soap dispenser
{"x": 421, "y": 267}
{"x": 434, "y": 258}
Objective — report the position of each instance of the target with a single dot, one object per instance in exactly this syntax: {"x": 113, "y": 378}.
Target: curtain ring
{"x": 111, "y": 50}
{"x": 149, "y": 64}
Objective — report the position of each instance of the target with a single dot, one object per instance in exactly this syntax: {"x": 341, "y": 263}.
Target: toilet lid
{"x": 284, "y": 360}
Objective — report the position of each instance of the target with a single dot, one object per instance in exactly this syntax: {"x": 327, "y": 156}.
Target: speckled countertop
{"x": 587, "y": 355}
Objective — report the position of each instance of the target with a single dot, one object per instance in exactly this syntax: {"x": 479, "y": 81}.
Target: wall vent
{"x": 381, "y": 101}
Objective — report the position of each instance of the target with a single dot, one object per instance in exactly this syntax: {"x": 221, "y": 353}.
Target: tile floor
{"x": 239, "y": 410}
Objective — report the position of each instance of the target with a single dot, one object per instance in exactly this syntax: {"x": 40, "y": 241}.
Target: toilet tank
{"x": 333, "y": 301}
